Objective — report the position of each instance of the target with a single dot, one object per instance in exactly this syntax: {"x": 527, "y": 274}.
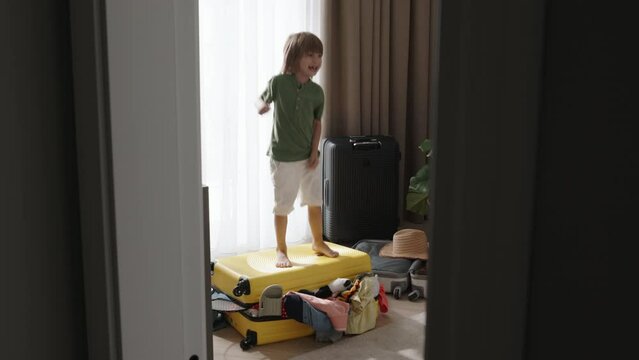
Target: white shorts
{"x": 291, "y": 178}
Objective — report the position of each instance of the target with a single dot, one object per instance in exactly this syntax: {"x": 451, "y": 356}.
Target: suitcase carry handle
{"x": 367, "y": 145}
{"x": 365, "y": 142}
{"x": 361, "y": 138}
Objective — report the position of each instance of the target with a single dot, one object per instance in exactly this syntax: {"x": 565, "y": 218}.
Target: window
{"x": 241, "y": 45}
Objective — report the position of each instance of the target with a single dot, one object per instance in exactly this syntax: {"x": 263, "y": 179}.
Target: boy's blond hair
{"x": 297, "y": 45}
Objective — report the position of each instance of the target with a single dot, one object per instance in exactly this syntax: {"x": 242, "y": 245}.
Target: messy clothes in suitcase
{"x": 244, "y": 277}
{"x": 360, "y": 187}
{"x": 353, "y": 306}
{"x": 393, "y": 273}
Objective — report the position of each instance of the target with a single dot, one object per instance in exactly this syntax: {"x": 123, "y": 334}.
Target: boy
{"x": 299, "y": 103}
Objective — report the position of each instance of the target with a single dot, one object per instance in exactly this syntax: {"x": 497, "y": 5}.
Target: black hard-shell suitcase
{"x": 395, "y": 274}
{"x": 360, "y": 186}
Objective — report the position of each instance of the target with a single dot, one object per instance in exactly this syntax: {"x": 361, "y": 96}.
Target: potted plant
{"x": 419, "y": 188}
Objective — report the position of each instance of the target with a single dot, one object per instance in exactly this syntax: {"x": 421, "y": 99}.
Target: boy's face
{"x": 310, "y": 64}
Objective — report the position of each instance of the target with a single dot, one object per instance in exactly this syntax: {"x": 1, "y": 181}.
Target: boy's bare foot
{"x": 323, "y": 249}
{"x": 282, "y": 259}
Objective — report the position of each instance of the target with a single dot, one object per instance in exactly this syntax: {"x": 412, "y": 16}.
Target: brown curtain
{"x": 376, "y": 64}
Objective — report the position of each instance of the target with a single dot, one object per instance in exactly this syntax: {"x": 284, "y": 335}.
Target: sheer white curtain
{"x": 241, "y": 44}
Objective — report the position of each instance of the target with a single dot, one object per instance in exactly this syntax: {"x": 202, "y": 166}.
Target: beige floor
{"x": 399, "y": 334}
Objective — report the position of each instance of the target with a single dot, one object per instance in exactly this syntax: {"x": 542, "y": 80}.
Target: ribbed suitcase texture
{"x": 243, "y": 277}
{"x": 360, "y": 186}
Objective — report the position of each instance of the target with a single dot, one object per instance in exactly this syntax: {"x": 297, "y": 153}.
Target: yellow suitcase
{"x": 243, "y": 277}
{"x": 257, "y": 331}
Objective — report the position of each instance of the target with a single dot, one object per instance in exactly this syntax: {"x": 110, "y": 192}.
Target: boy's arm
{"x": 313, "y": 160}
{"x": 262, "y": 107}
{"x": 262, "y": 102}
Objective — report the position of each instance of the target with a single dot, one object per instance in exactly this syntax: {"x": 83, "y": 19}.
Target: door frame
{"x": 486, "y": 100}
{"x": 484, "y": 96}
{"x": 145, "y": 256}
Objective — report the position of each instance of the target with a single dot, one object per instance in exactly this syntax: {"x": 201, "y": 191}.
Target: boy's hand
{"x": 262, "y": 107}
{"x": 313, "y": 161}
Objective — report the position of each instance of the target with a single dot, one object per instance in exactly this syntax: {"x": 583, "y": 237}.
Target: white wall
{"x": 153, "y": 80}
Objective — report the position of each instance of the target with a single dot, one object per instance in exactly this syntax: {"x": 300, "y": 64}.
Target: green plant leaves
{"x": 425, "y": 147}
{"x": 418, "y": 192}
{"x": 417, "y": 203}
{"x": 419, "y": 182}
{"x": 418, "y": 188}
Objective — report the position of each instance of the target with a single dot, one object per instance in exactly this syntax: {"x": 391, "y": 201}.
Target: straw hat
{"x": 407, "y": 243}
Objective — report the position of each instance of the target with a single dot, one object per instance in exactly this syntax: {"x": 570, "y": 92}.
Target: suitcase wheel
{"x": 249, "y": 340}
{"x": 243, "y": 287}
{"x": 397, "y": 292}
{"x": 245, "y": 345}
{"x": 413, "y": 295}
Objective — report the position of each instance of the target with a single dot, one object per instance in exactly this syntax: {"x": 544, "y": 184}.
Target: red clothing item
{"x": 383, "y": 300}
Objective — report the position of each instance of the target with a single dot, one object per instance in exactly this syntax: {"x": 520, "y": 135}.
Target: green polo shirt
{"x": 296, "y": 106}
